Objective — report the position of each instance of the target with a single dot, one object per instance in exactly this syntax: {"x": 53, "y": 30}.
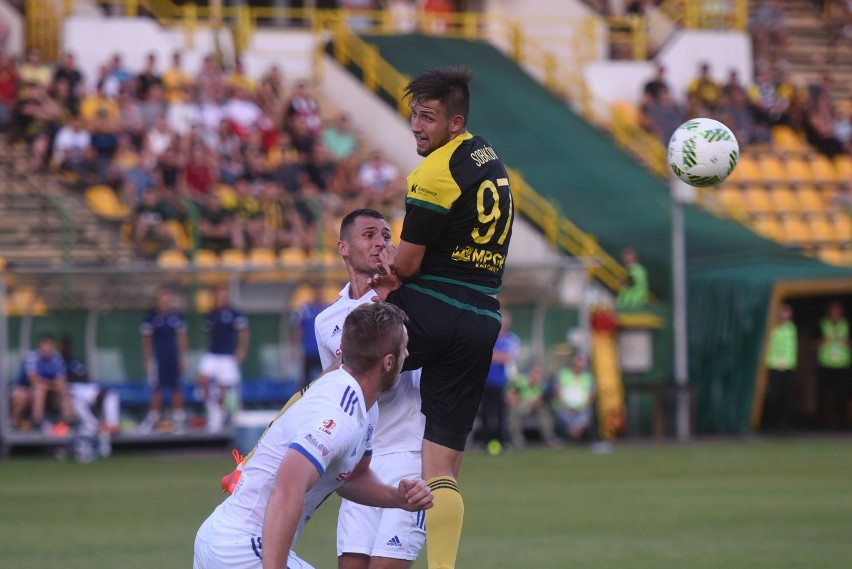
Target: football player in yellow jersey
{"x": 445, "y": 275}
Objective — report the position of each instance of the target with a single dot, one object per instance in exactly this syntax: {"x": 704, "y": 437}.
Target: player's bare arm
{"x": 296, "y": 476}
{"x": 408, "y": 259}
{"x": 364, "y": 487}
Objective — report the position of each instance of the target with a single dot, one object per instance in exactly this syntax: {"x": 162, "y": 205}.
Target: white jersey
{"x": 401, "y": 423}
{"x": 329, "y": 425}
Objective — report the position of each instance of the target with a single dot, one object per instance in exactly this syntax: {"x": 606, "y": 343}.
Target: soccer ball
{"x": 703, "y": 152}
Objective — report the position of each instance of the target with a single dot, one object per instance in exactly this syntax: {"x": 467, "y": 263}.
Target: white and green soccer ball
{"x": 703, "y": 152}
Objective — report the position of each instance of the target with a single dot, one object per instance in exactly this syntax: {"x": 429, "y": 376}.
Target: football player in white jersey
{"x": 369, "y": 537}
{"x": 321, "y": 444}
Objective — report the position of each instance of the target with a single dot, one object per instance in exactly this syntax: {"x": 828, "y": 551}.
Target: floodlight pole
{"x": 681, "y": 194}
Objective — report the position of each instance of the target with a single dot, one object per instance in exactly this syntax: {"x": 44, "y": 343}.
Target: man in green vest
{"x": 634, "y": 290}
{"x": 834, "y": 358}
{"x": 526, "y": 398}
{"x": 575, "y": 391}
{"x": 780, "y": 361}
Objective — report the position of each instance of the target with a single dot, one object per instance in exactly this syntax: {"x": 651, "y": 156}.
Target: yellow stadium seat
{"x": 172, "y": 259}
{"x": 624, "y": 111}
{"x": 833, "y": 255}
{"x": 843, "y": 227}
{"x": 786, "y": 139}
{"x": 103, "y": 201}
{"x": 798, "y": 171}
{"x": 396, "y": 228}
{"x": 204, "y": 300}
{"x": 331, "y": 292}
{"x": 822, "y": 229}
{"x": 233, "y": 258}
{"x": 330, "y": 258}
{"x": 794, "y": 231}
{"x": 262, "y": 257}
{"x": 745, "y": 172}
{"x": 771, "y": 168}
{"x": 730, "y": 197}
{"x": 226, "y": 194}
{"x": 758, "y": 200}
{"x": 178, "y": 233}
{"x": 293, "y": 257}
{"x": 784, "y": 199}
{"x": 767, "y": 226}
{"x": 304, "y": 293}
{"x": 823, "y": 170}
{"x": 810, "y": 199}
{"x": 843, "y": 166}
{"x": 205, "y": 258}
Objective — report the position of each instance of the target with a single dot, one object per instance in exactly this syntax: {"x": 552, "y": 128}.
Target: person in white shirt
{"x": 71, "y": 142}
{"x": 369, "y": 537}
{"x": 320, "y": 444}
{"x": 241, "y": 110}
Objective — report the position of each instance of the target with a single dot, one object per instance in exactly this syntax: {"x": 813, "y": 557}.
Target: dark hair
{"x": 350, "y": 218}
{"x": 445, "y": 84}
{"x": 46, "y": 337}
{"x": 370, "y": 332}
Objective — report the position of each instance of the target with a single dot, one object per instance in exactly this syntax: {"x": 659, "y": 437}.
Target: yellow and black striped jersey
{"x": 459, "y": 205}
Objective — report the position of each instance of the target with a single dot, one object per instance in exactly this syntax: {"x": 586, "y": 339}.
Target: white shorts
{"x": 221, "y": 368}
{"x": 243, "y": 553}
{"x": 384, "y": 532}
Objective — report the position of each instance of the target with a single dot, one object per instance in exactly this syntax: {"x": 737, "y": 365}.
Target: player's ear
{"x": 342, "y": 248}
{"x": 387, "y": 362}
{"x": 457, "y": 124}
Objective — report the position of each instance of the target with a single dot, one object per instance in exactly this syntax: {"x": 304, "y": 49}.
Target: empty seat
{"x": 758, "y": 200}
{"x": 843, "y": 166}
{"x": 178, "y": 233}
{"x": 772, "y": 169}
{"x": 262, "y": 257}
{"x": 624, "y": 111}
{"x": 103, "y": 201}
{"x": 293, "y": 257}
{"x": 746, "y": 171}
{"x": 784, "y": 199}
{"x": 172, "y": 259}
{"x": 786, "y": 139}
{"x": 767, "y": 226}
{"x": 794, "y": 231}
{"x": 205, "y": 299}
{"x": 822, "y": 229}
{"x": 843, "y": 227}
{"x": 798, "y": 171}
{"x": 206, "y": 258}
{"x": 233, "y": 258}
{"x": 833, "y": 255}
{"x": 730, "y": 197}
{"x": 823, "y": 170}
{"x": 810, "y": 199}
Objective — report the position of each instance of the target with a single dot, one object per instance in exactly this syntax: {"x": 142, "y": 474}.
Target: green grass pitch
{"x": 772, "y": 504}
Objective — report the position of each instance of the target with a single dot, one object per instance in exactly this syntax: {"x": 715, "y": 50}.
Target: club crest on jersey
{"x": 328, "y": 426}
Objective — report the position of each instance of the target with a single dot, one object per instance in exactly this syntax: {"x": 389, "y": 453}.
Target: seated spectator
{"x": 42, "y": 384}
{"x": 653, "y": 87}
{"x": 242, "y": 112}
{"x": 768, "y": 31}
{"x": 152, "y": 107}
{"x": 8, "y": 90}
{"x": 70, "y": 145}
{"x": 380, "y": 179}
{"x": 819, "y": 127}
{"x": 271, "y": 96}
{"x": 769, "y": 102}
{"x": 88, "y": 398}
{"x": 301, "y": 135}
{"x": 41, "y": 119}
{"x": 68, "y": 71}
{"x": 150, "y": 231}
{"x": 209, "y": 77}
{"x": 199, "y": 175}
{"x": 320, "y": 167}
{"x": 842, "y": 128}
{"x": 574, "y": 397}
{"x": 634, "y": 290}
{"x": 174, "y": 80}
{"x": 185, "y": 114}
{"x": 662, "y": 115}
{"x": 526, "y": 398}
{"x": 339, "y": 139}
{"x": 211, "y": 115}
{"x": 33, "y": 72}
{"x": 287, "y": 222}
{"x": 158, "y": 140}
{"x": 61, "y": 93}
{"x": 215, "y": 226}
{"x": 105, "y": 142}
{"x": 238, "y": 78}
{"x": 98, "y": 104}
{"x": 703, "y": 93}
{"x": 247, "y": 217}
{"x": 117, "y": 76}
{"x": 132, "y": 121}
{"x": 304, "y": 104}
{"x": 735, "y": 112}
{"x": 344, "y": 188}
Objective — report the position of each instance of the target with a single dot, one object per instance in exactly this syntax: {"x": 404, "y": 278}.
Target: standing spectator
{"x": 304, "y": 336}
{"x": 148, "y": 78}
{"x": 174, "y": 80}
{"x": 42, "y": 381}
{"x": 653, "y": 87}
{"x": 526, "y": 398}
{"x": 662, "y": 115}
{"x": 163, "y": 353}
{"x": 88, "y": 398}
{"x": 502, "y": 370}
{"x": 781, "y": 355}
{"x": 634, "y": 290}
{"x": 380, "y": 179}
{"x": 219, "y": 368}
{"x": 303, "y": 104}
{"x": 8, "y": 90}
{"x": 834, "y": 358}
{"x": 575, "y": 391}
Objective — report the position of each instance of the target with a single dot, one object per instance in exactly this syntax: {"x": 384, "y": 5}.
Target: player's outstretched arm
{"x": 296, "y": 476}
{"x": 364, "y": 487}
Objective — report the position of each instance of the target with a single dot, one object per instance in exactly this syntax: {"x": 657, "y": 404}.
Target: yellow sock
{"x": 444, "y": 523}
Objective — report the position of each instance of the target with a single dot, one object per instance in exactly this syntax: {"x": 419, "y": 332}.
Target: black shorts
{"x": 452, "y": 331}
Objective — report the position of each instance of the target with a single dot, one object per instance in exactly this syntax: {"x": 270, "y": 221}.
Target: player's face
{"x": 366, "y": 239}
{"x": 432, "y": 127}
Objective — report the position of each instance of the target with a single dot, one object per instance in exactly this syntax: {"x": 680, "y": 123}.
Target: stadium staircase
{"x": 42, "y": 222}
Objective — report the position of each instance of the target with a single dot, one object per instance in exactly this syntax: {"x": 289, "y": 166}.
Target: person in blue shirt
{"x": 219, "y": 368}
{"x": 163, "y": 352}
{"x": 42, "y": 376}
{"x": 503, "y": 362}
{"x": 305, "y": 337}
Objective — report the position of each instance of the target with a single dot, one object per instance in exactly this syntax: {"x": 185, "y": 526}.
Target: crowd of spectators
{"x": 250, "y": 163}
{"x": 751, "y": 110}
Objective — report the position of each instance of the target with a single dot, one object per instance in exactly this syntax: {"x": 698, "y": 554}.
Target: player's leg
{"x": 155, "y": 401}
{"x": 21, "y": 399}
{"x": 60, "y": 387}
{"x": 356, "y": 527}
{"x": 83, "y": 395}
{"x": 39, "y": 398}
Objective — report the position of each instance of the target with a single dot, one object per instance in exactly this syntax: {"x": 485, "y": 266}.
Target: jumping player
{"x": 321, "y": 444}
{"x": 450, "y": 261}
{"x": 369, "y": 537}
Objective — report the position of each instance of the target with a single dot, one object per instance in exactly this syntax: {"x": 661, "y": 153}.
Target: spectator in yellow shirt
{"x": 174, "y": 80}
